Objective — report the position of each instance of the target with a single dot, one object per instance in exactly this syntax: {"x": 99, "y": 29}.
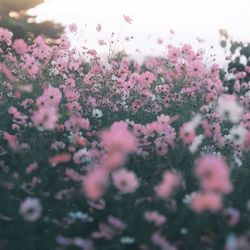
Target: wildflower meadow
{"x": 113, "y": 154}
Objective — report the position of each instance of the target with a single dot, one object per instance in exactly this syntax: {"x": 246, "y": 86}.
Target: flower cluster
{"x": 117, "y": 154}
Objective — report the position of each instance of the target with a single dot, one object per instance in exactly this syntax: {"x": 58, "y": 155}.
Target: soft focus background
{"x": 193, "y": 21}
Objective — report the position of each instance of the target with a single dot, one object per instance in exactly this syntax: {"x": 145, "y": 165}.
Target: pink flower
{"x": 60, "y": 158}
{"x": 113, "y": 160}
{"x": 169, "y": 183}
{"x": 6, "y": 71}
{"x": 5, "y": 36}
{"x": 116, "y": 223}
{"x": 161, "y": 146}
{"x": 208, "y": 201}
{"x": 187, "y": 132}
{"x": 45, "y": 117}
{"x": 209, "y": 97}
{"x": 147, "y": 78}
{"x": 73, "y": 27}
{"x": 136, "y": 105}
{"x": 31, "y": 167}
{"x": 186, "y": 49}
{"x": 53, "y": 96}
{"x": 12, "y": 140}
{"x": 20, "y": 46}
{"x": 98, "y": 27}
{"x": 195, "y": 69}
{"x": 71, "y": 95}
{"x": 89, "y": 79}
{"x": 125, "y": 181}
{"x": 173, "y": 54}
{"x": 102, "y": 42}
{"x": 76, "y": 123}
{"x": 155, "y": 217}
{"x": 92, "y": 101}
{"x": 247, "y": 140}
{"x": 232, "y": 216}
{"x": 127, "y": 19}
{"x": 118, "y": 138}
{"x": 65, "y": 43}
{"x": 160, "y": 40}
{"x": 33, "y": 70}
{"x": 214, "y": 70}
{"x": 30, "y": 209}
{"x": 161, "y": 243}
{"x": 213, "y": 173}
{"x": 74, "y": 107}
{"x": 26, "y": 88}
{"x": 94, "y": 183}
{"x": 73, "y": 175}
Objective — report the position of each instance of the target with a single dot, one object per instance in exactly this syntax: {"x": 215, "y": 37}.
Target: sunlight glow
{"x": 152, "y": 20}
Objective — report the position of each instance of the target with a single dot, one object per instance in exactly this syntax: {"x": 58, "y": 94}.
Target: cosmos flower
{"x": 170, "y": 182}
{"x": 125, "y": 181}
{"x": 127, "y": 19}
{"x": 30, "y": 209}
{"x": 98, "y": 27}
{"x": 73, "y": 27}
{"x": 118, "y": 138}
{"x": 94, "y": 183}
{"x": 155, "y": 217}
{"x": 213, "y": 173}
{"x": 97, "y": 113}
{"x": 208, "y": 201}
{"x": 229, "y": 109}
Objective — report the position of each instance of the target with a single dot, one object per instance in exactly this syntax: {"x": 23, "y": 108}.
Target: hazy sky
{"x": 152, "y": 19}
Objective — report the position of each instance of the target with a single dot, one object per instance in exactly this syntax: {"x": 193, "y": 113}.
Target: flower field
{"x": 115, "y": 154}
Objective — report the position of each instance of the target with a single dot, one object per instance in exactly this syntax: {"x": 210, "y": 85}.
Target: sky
{"x": 193, "y": 21}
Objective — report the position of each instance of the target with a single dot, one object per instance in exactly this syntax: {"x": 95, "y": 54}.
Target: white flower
{"x": 229, "y": 109}
{"x": 127, "y": 240}
{"x": 237, "y": 134}
{"x": 196, "y": 143}
{"x": 196, "y": 120}
{"x": 125, "y": 96}
{"x": 30, "y": 209}
{"x": 153, "y": 98}
{"x": 189, "y": 197}
{"x": 237, "y": 160}
{"x": 184, "y": 231}
{"x": 97, "y": 113}
{"x": 247, "y": 94}
{"x": 125, "y": 107}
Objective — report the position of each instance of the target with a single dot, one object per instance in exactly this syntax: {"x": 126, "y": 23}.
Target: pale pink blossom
{"x": 208, "y": 201}
{"x": 127, "y": 19}
{"x": 125, "y": 181}
{"x": 213, "y": 173}
{"x": 170, "y": 182}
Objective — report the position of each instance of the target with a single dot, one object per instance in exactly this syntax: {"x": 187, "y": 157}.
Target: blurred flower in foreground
{"x": 229, "y": 109}
{"x": 213, "y": 173}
